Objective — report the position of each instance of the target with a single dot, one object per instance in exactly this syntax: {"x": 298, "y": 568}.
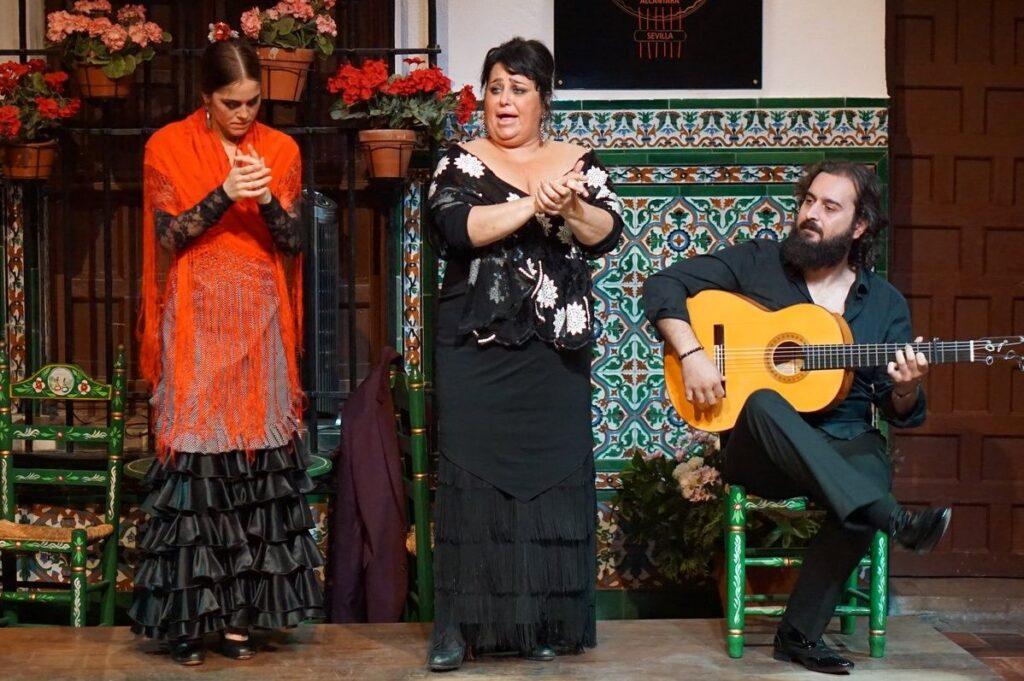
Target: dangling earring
{"x": 209, "y": 120}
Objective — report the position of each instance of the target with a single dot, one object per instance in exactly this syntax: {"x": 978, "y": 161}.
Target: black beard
{"x": 805, "y": 255}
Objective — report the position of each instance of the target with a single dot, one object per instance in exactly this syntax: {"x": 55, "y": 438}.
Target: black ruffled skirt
{"x": 228, "y": 544}
{"x": 511, "y": 574}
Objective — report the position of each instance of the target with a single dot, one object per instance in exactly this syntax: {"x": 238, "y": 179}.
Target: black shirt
{"x": 875, "y": 311}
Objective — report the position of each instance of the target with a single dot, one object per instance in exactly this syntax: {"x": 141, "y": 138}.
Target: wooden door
{"x": 956, "y": 77}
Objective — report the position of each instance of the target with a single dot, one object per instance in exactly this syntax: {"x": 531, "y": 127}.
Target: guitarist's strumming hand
{"x": 701, "y": 377}
{"x": 703, "y": 380}
{"x": 906, "y": 373}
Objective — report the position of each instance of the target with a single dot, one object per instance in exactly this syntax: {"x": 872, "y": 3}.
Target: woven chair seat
{"x": 45, "y": 533}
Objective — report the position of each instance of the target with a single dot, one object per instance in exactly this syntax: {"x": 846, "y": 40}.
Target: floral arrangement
{"x": 88, "y": 36}
{"x": 421, "y": 99}
{"x": 293, "y": 24}
{"x": 673, "y": 506}
{"x": 32, "y": 101}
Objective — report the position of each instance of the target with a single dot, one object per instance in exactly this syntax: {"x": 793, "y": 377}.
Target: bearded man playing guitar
{"x": 836, "y": 457}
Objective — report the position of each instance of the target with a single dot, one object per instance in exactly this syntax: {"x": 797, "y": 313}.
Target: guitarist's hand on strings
{"x": 702, "y": 379}
{"x": 906, "y": 373}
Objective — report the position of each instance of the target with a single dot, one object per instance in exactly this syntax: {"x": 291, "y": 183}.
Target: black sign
{"x": 658, "y": 44}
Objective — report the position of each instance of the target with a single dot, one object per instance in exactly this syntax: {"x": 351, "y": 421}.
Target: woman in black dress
{"x": 516, "y": 217}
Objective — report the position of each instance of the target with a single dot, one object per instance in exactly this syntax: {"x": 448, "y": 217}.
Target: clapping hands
{"x": 561, "y": 196}
{"x": 249, "y": 177}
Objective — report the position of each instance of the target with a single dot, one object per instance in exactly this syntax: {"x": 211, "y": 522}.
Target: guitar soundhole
{"x": 787, "y": 360}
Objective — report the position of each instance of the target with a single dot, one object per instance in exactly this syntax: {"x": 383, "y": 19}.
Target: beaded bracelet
{"x": 686, "y": 354}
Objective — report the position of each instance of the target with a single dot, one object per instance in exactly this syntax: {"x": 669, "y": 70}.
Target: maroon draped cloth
{"x": 367, "y": 571}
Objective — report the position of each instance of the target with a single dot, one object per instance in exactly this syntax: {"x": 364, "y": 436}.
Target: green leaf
{"x": 117, "y": 67}
{"x": 284, "y": 24}
{"x": 325, "y": 45}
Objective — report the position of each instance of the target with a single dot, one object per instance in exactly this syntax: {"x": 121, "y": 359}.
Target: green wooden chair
{"x": 738, "y": 557}
{"x": 410, "y": 400}
{"x": 63, "y": 382}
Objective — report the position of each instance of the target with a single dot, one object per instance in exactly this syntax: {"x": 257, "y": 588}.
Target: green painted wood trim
{"x": 54, "y": 476}
{"x": 61, "y": 382}
{"x": 36, "y": 596}
{"x": 35, "y": 546}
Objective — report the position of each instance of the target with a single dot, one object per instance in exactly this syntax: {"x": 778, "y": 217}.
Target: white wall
{"x": 812, "y": 48}
{"x": 9, "y": 25}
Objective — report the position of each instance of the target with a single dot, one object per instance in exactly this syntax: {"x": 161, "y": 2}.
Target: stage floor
{"x": 629, "y": 649}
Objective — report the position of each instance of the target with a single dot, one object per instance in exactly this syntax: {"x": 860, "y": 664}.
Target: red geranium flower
{"x": 10, "y": 124}
{"x": 71, "y": 108}
{"x": 49, "y": 108}
{"x": 466, "y": 106}
{"x": 36, "y": 65}
{"x": 56, "y": 80}
{"x": 415, "y": 61}
{"x": 356, "y": 85}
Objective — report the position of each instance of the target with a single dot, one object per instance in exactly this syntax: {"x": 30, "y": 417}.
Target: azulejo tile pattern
{"x": 737, "y": 174}
{"x": 14, "y": 276}
{"x": 412, "y": 272}
{"x": 792, "y": 127}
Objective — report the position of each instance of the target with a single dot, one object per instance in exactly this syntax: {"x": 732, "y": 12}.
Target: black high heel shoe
{"x": 237, "y": 650}
{"x": 447, "y": 651}
{"x": 188, "y": 651}
{"x": 540, "y": 653}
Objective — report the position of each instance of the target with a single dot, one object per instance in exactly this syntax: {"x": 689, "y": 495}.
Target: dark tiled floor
{"x": 1003, "y": 653}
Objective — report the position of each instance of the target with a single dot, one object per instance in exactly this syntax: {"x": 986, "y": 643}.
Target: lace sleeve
{"x": 177, "y": 231}
{"x": 284, "y": 226}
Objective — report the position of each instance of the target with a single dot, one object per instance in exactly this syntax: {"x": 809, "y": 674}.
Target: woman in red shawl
{"x": 228, "y": 546}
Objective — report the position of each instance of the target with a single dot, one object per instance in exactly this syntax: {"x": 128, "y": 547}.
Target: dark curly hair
{"x": 865, "y": 249}
{"x": 530, "y": 58}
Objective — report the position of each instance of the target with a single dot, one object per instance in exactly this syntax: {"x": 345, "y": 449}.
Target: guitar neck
{"x": 859, "y": 355}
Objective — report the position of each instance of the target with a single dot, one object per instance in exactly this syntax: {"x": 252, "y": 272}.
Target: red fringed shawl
{"x": 185, "y": 161}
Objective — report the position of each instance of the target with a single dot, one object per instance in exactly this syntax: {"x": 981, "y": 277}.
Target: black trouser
{"x": 775, "y": 454}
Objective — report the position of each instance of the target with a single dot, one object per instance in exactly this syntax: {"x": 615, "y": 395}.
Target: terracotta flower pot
{"x": 29, "y": 160}
{"x": 94, "y": 84}
{"x": 283, "y": 73}
{"x": 387, "y": 151}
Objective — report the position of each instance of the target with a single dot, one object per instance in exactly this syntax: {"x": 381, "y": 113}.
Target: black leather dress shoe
{"x": 237, "y": 650}
{"x": 188, "y": 652}
{"x": 919, "y": 531}
{"x": 540, "y": 653}
{"x": 791, "y": 646}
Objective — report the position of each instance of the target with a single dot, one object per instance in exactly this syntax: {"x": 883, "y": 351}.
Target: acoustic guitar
{"x": 803, "y": 352}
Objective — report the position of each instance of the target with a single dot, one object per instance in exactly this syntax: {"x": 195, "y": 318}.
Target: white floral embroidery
{"x": 547, "y": 292}
{"x": 613, "y": 202}
{"x": 596, "y": 177}
{"x": 497, "y": 291}
{"x": 432, "y": 189}
{"x": 565, "y": 234}
{"x": 512, "y": 197}
{"x": 545, "y": 222}
{"x": 441, "y": 166}
{"x": 470, "y": 165}
{"x": 559, "y": 321}
{"x": 603, "y": 192}
{"x": 575, "y": 318}
{"x": 474, "y": 270}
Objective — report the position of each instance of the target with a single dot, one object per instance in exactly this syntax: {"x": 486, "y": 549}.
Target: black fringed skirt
{"x": 228, "y": 544}
{"x": 515, "y": 515}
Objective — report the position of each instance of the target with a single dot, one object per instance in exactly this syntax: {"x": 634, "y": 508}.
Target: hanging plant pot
{"x": 29, "y": 160}
{"x": 387, "y": 151}
{"x": 94, "y": 84}
{"x": 283, "y": 73}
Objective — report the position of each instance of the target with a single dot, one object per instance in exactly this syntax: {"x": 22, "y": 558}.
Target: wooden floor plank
{"x": 647, "y": 650}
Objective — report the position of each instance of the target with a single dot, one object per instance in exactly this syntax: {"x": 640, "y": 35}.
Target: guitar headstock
{"x": 1002, "y": 348}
